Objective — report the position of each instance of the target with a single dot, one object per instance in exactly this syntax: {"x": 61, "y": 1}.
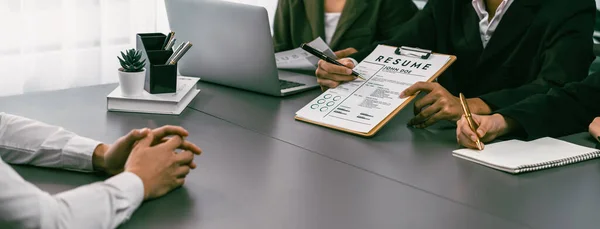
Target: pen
{"x": 324, "y": 57}
{"x": 469, "y": 117}
{"x": 178, "y": 49}
{"x": 171, "y": 44}
{"x": 169, "y": 36}
{"x": 181, "y": 52}
{"x": 177, "y": 56}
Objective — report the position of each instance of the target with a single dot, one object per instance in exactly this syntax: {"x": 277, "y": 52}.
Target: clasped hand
{"x": 151, "y": 155}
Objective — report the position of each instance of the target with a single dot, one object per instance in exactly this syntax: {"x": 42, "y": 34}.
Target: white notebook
{"x": 165, "y": 103}
{"x": 516, "y": 156}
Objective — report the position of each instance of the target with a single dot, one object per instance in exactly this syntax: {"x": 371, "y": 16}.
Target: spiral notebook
{"x": 515, "y": 156}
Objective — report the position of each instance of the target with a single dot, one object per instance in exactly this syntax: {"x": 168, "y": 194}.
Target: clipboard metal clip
{"x": 413, "y": 52}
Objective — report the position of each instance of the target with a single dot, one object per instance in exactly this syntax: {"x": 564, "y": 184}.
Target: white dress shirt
{"x": 331, "y": 22}
{"x": 487, "y": 26}
{"x": 22, "y": 205}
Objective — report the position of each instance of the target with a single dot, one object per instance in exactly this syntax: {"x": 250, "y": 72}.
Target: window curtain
{"x": 56, "y": 44}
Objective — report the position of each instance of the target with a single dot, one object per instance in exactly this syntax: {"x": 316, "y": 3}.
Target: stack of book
{"x": 166, "y": 103}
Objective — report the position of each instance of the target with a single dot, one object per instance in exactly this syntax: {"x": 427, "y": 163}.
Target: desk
{"x": 566, "y": 197}
{"x": 245, "y": 179}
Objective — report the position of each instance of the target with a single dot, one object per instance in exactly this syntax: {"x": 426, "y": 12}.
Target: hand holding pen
{"x": 331, "y": 75}
{"x": 472, "y": 124}
{"x": 324, "y": 57}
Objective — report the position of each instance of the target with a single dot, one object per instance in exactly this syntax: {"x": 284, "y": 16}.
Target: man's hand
{"x": 594, "y": 128}
{"x": 345, "y": 53}
{"x": 111, "y": 159}
{"x": 437, "y": 105}
{"x": 160, "y": 167}
{"x": 490, "y": 127}
{"x": 331, "y": 75}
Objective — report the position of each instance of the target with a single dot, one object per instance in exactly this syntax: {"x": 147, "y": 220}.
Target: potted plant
{"x": 132, "y": 73}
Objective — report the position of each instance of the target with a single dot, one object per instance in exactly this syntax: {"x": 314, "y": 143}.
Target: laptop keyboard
{"x": 284, "y": 84}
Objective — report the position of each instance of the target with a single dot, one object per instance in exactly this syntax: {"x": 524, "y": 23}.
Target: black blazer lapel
{"x": 352, "y": 10}
{"x": 514, "y": 23}
{"x": 315, "y": 13}
{"x": 471, "y": 29}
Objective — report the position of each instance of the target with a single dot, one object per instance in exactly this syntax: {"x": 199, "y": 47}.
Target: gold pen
{"x": 469, "y": 117}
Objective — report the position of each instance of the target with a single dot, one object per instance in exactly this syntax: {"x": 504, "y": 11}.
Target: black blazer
{"x": 538, "y": 45}
{"x": 362, "y": 22}
{"x": 562, "y": 111}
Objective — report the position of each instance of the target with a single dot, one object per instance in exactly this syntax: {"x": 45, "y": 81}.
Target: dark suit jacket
{"x": 562, "y": 111}
{"x": 538, "y": 45}
{"x": 362, "y": 22}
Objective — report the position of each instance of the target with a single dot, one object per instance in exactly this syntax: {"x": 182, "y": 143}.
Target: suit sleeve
{"x": 567, "y": 58}
{"x": 562, "y": 111}
{"x": 281, "y": 27}
{"x": 420, "y": 31}
{"x": 394, "y": 14}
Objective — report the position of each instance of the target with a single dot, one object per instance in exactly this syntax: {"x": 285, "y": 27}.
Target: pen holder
{"x": 160, "y": 77}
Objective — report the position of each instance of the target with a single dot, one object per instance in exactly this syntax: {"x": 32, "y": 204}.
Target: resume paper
{"x": 360, "y": 105}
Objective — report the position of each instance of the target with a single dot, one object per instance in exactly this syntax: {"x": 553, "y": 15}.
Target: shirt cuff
{"x": 77, "y": 154}
{"x": 353, "y": 60}
{"x": 131, "y": 187}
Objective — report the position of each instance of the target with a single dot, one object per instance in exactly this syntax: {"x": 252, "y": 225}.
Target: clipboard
{"x": 403, "y": 50}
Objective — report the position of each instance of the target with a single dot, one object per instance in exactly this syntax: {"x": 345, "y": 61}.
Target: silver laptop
{"x": 232, "y": 46}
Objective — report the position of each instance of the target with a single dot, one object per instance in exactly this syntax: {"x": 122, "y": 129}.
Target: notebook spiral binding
{"x": 557, "y": 163}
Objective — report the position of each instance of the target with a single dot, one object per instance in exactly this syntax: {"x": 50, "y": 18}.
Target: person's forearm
{"x": 101, "y": 205}
{"x": 26, "y": 141}
{"x": 113, "y": 200}
{"x": 478, "y": 106}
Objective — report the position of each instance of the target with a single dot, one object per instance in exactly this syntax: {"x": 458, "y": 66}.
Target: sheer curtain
{"x": 56, "y": 44}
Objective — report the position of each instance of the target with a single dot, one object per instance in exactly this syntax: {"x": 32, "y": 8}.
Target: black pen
{"x": 324, "y": 57}
{"x": 169, "y": 36}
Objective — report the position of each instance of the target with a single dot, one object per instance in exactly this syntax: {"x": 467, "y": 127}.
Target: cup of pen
{"x": 161, "y": 60}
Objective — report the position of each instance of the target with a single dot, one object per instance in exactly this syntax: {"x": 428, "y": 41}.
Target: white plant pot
{"x": 132, "y": 83}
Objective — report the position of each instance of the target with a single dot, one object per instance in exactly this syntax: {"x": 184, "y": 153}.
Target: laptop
{"x": 232, "y": 46}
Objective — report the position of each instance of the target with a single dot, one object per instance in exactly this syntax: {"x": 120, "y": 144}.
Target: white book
{"x": 516, "y": 156}
{"x": 164, "y": 103}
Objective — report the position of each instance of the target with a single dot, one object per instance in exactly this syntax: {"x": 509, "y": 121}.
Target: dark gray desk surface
{"x": 566, "y": 197}
{"x": 245, "y": 179}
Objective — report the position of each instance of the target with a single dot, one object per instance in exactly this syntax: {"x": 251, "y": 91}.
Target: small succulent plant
{"x": 130, "y": 61}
